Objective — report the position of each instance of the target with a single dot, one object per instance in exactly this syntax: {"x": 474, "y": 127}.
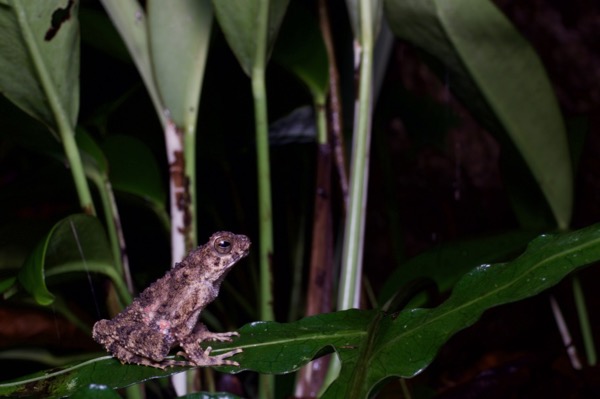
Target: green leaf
{"x": 403, "y": 346}
{"x": 300, "y": 49}
{"x": 446, "y": 263}
{"x": 371, "y": 345}
{"x": 501, "y": 78}
{"x": 179, "y": 37}
{"x": 39, "y": 59}
{"x": 374, "y": 347}
{"x": 75, "y": 244}
{"x": 129, "y": 18}
{"x": 237, "y": 19}
{"x": 96, "y": 378}
{"x": 104, "y": 372}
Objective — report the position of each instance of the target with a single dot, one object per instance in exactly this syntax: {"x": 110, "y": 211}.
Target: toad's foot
{"x": 199, "y": 357}
{"x": 201, "y": 334}
{"x": 222, "y": 337}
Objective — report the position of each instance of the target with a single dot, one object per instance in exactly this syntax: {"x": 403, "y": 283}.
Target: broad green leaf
{"x": 96, "y": 378}
{"x": 39, "y": 59}
{"x": 300, "y": 49}
{"x": 75, "y": 244}
{"x": 237, "y": 19}
{"x": 179, "y": 36}
{"x": 446, "y": 263}
{"x": 129, "y": 18}
{"x": 500, "y": 77}
{"x": 404, "y": 345}
{"x": 374, "y": 347}
{"x": 371, "y": 345}
{"x": 104, "y": 372}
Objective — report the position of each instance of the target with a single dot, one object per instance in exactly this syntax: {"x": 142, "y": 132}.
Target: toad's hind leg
{"x": 137, "y": 344}
{"x": 202, "y": 357}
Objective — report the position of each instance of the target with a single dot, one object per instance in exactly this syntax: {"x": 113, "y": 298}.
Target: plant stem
{"x": 113, "y": 225}
{"x": 352, "y": 251}
{"x": 263, "y": 163}
{"x": 584, "y": 322}
{"x": 266, "y": 389}
{"x": 63, "y": 122}
{"x": 334, "y": 105}
{"x": 349, "y": 290}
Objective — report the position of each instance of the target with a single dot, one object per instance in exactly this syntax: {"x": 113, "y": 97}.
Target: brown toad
{"x": 166, "y": 313}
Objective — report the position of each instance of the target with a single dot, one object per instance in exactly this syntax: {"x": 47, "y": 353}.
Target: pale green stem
{"x": 349, "y": 289}
{"x": 321, "y": 120}
{"x": 265, "y": 216}
{"x": 65, "y": 129}
{"x": 352, "y": 251}
{"x": 263, "y": 164}
{"x": 113, "y": 225}
{"x": 584, "y": 322}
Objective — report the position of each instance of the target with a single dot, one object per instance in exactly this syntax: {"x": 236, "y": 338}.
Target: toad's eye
{"x": 223, "y": 246}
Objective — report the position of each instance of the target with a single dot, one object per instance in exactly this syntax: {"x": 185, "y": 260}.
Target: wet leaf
{"x": 497, "y": 73}
{"x": 103, "y": 373}
{"x": 372, "y": 346}
{"x": 446, "y": 263}
{"x": 405, "y": 345}
{"x": 96, "y": 378}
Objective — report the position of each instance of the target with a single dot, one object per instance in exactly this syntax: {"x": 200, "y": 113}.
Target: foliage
{"x": 121, "y": 151}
